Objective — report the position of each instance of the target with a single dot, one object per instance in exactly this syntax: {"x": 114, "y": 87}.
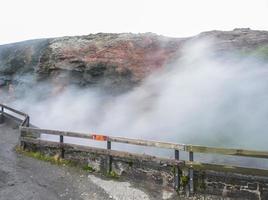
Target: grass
{"x": 260, "y": 52}
{"x": 51, "y": 159}
{"x": 113, "y": 174}
{"x": 88, "y": 168}
{"x": 59, "y": 161}
{"x": 184, "y": 180}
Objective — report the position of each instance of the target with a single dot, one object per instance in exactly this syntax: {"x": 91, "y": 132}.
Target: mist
{"x": 201, "y": 98}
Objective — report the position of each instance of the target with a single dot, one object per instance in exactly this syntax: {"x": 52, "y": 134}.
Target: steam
{"x": 200, "y": 99}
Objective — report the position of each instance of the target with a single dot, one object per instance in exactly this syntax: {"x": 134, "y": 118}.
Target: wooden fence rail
{"x": 150, "y": 143}
{"x": 25, "y": 121}
{"x": 27, "y": 132}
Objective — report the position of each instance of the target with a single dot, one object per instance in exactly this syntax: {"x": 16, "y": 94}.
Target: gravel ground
{"x": 25, "y": 178}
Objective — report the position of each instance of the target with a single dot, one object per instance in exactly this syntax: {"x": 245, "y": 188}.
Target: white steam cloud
{"x": 200, "y": 99}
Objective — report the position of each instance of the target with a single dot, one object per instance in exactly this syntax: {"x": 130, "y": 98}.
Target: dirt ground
{"x": 25, "y": 178}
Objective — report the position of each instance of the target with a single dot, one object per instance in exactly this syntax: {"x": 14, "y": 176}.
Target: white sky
{"x": 29, "y": 19}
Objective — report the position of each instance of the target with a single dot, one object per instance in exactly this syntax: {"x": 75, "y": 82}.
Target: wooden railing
{"x": 27, "y": 136}
{"x": 25, "y": 122}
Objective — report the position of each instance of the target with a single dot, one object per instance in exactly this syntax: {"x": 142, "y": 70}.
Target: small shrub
{"x": 88, "y": 168}
{"x": 113, "y": 174}
{"x": 184, "y": 180}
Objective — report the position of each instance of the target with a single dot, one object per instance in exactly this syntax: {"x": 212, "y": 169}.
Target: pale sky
{"x": 30, "y": 19}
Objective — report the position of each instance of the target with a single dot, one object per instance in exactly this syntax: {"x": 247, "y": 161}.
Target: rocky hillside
{"x": 243, "y": 40}
{"x": 112, "y": 60}
{"x": 109, "y": 59}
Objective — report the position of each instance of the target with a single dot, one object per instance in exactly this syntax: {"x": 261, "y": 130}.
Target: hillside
{"x": 113, "y": 60}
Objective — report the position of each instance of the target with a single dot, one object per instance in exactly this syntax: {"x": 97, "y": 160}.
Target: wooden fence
{"x": 27, "y": 136}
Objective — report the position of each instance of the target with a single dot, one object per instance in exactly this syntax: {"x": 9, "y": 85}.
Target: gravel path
{"x": 25, "y": 178}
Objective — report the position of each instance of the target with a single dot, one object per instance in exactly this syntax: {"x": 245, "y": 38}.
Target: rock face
{"x": 112, "y": 60}
{"x": 240, "y": 39}
{"x": 20, "y": 58}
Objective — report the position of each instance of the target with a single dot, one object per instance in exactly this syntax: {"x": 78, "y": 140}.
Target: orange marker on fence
{"x": 99, "y": 137}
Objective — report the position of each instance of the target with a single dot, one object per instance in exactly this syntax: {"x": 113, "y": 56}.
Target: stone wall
{"x": 231, "y": 185}
{"x": 207, "y": 184}
{"x": 160, "y": 177}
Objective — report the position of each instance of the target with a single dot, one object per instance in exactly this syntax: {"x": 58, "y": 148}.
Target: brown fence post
{"x": 61, "y": 145}
{"x": 21, "y": 143}
{"x": 28, "y": 121}
{"x": 177, "y": 174}
{"x": 109, "y": 158}
{"x": 191, "y": 174}
{"x": 2, "y": 115}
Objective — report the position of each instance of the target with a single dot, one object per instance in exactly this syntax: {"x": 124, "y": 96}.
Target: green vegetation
{"x": 52, "y": 159}
{"x": 130, "y": 164}
{"x": 200, "y": 184}
{"x": 113, "y": 174}
{"x": 260, "y": 52}
{"x": 88, "y": 168}
{"x": 184, "y": 180}
{"x": 59, "y": 161}
{"x": 173, "y": 170}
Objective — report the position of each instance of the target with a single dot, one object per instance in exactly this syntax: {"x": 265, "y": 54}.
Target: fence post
{"x": 28, "y": 121}
{"x": 109, "y": 158}
{"x": 21, "y": 143}
{"x": 2, "y": 115}
{"x": 177, "y": 175}
{"x": 191, "y": 174}
{"x": 61, "y": 145}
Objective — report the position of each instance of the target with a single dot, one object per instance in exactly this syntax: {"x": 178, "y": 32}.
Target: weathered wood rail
{"x": 25, "y": 122}
{"x": 28, "y": 134}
